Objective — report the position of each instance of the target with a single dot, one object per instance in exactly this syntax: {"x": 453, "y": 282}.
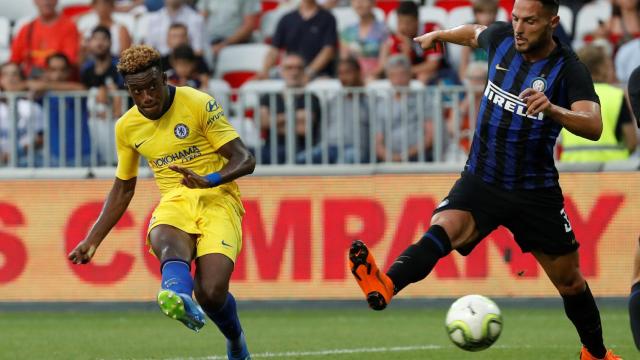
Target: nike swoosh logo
{"x": 498, "y": 67}
{"x": 225, "y": 244}
{"x": 140, "y": 143}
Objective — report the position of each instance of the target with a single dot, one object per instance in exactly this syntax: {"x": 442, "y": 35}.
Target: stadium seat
{"x": 238, "y": 63}
{"x": 588, "y": 18}
{"x": 5, "y": 33}
{"x": 251, "y": 90}
{"x": 452, "y": 4}
{"x": 14, "y": 10}
{"x": 5, "y": 54}
{"x": 141, "y": 28}
{"x": 90, "y": 19}
{"x": 323, "y": 88}
{"x": 221, "y": 91}
{"x": 464, "y": 15}
{"x": 269, "y": 21}
{"x": 566, "y": 19}
{"x": 126, "y": 19}
{"x": 19, "y": 24}
{"x": 385, "y": 85}
{"x": 428, "y": 14}
{"x": 74, "y": 8}
{"x": 346, "y": 16}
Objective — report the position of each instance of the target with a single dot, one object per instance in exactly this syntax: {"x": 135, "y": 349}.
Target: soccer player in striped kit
{"x": 536, "y": 87}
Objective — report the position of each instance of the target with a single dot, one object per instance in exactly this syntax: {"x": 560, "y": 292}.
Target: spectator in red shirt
{"x": 49, "y": 33}
{"x": 424, "y": 63}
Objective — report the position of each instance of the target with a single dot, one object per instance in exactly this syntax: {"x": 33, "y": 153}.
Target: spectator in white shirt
{"x": 229, "y": 22}
{"x": 627, "y": 59}
{"x": 175, "y": 11}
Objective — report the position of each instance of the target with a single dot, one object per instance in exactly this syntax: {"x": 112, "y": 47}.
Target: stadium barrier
{"x": 420, "y": 124}
{"x": 296, "y": 232}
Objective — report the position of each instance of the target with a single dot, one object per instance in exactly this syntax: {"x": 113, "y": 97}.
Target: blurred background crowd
{"x": 303, "y": 81}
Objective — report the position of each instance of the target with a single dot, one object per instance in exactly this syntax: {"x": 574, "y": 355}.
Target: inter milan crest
{"x": 181, "y": 131}
{"x": 539, "y": 84}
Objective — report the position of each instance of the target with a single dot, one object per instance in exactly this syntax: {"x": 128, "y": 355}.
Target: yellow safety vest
{"x": 607, "y": 148}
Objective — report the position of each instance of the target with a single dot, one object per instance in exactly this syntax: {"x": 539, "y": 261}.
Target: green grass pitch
{"x": 350, "y": 333}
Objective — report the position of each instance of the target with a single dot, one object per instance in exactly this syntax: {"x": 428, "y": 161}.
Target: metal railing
{"x": 284, "y": 127}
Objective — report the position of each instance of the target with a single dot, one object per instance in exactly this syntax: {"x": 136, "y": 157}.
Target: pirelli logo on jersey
{"x": 181, "y": 156}
{"x": 508, "y": 101}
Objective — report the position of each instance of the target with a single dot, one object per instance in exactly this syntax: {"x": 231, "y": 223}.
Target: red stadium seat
{"x": 237, "y": 78}
{"x": 452, "y": 4}
{"x": 387, "y": 5}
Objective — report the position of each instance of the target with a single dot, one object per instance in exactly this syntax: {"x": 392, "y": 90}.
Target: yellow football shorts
{"x": 211, "y": 215}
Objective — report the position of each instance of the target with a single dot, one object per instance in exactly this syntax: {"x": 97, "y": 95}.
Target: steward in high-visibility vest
{"x": 607, "y": 148}
{"x": 618, "y": 137}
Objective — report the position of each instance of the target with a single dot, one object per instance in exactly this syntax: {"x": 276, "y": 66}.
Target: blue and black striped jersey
{"x": 510, "y": 149}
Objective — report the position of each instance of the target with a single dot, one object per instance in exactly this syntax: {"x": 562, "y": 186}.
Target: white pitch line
{"x": 391, "y": 349}
{"x": 323, "y": 352}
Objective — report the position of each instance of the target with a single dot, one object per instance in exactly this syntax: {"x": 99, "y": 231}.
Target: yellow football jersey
{"x": 188, "y": 134}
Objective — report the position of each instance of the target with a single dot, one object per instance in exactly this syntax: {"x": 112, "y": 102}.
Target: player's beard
{"x": 539, "y": 43}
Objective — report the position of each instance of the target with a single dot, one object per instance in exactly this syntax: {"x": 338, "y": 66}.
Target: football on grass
{"x": 474, "y": 322}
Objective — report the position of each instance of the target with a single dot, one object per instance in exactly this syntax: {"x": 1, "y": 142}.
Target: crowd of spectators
{"x": 54, "y": 52}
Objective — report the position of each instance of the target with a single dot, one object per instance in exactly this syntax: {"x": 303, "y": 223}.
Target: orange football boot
{"x": 585, "y": 355}
{"x": 376, "y": 285}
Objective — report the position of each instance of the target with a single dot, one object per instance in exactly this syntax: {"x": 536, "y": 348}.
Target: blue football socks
{"x": 176, "y": 276}
{"x": 226, "y": 318}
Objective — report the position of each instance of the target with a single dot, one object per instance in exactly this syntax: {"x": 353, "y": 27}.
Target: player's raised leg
{"x": 175, "y": 249}
{"x": 213, "y": 272}
{"x": 450, "y": 229}
{"x": 579, "y": 304}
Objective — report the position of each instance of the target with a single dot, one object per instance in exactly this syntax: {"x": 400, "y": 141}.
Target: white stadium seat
{"x": 324, "y": 88}
{"x": 346, "y": 16}
{"x": 589, "y": 16}
{"x": 141, "y": 29}
{"x": 427, "y": 14}
{"x": 19, "y": 24}
{"x": 221, "y": 91}
{"x": 5, "y": 54}
{"x": 5, "y": 33}
{"x": 566, "y": 18}
{"x": 464, "y": 15}
{"x": 385, "y": 85}
{"x": 17, "y": 9}
{"x": 241, "y": 58}
{"x": 269, "y": 21}
{"x": 251, "y": 90}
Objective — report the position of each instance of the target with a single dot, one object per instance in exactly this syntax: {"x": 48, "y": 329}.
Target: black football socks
{"x": 417, "y": 261}
{"x": 634, "y": 313}
{"x": 582, "y": 310}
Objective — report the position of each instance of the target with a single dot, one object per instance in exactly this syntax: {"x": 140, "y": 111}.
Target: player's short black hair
{"x": 183, "y": 52}
{"x": 551, "y": 5}
{"x": 101, "y": 29}
{"x": 408, "y": 8}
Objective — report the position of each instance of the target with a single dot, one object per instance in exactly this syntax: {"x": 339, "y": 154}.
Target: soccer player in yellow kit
{"x": 195, "y": 155}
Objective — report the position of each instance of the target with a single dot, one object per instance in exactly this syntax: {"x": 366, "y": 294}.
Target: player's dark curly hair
{"x": 551, "y": 5}
{"x": 137, "y": 59}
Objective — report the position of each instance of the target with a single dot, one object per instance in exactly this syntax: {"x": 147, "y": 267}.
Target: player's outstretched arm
{"x": 241, "y": 162}
{"x": 117, "y": 202}
{"x": 466, "y": 35}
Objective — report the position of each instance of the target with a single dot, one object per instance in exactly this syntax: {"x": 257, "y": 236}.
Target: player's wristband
{"x": 214, "y": 179}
